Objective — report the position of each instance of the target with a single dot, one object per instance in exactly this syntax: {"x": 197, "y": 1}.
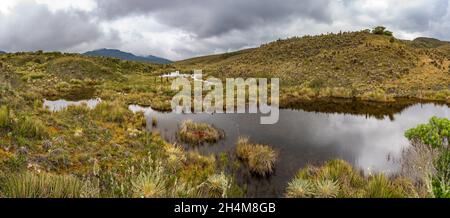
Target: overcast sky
{"x": 179, "y": 29}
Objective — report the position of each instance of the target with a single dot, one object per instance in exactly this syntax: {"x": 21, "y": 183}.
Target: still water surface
{"x": 371, "y": 143}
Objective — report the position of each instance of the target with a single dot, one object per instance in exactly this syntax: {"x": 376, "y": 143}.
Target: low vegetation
{"x": 112, "y": 111}
{"x": 260, "y": 159}
{"x": 5, "y": 119}
{"x": 216, "y": 186}
{"x": 41, "y": 185}
{"x": 30, "y": 127}
{"x": 337, "y": 178}
{"x": 107, "y": 152}
{"x": 198, "y": 133}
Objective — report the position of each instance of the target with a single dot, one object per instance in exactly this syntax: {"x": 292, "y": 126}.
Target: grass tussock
{"x": 198, "y": 133}
{"x": 112, "y": 111}
{"x": 23, "y": 127}
{"x": 31, "y": 127}
{"x": 5, "y": 118}
{"x": 150, "y": 183}
{"x": 259, "y": 158}
{"x": 326, "y": 189}
{"x": 378, "y": 95}
{"x": 299, "y": 188}
{"x": 176, "y": 157}
{"x": 41, "y": 185}
{"x": 337, "y": 178}
{"x": 216, "y": 186}
{"x": 158, "y": 181}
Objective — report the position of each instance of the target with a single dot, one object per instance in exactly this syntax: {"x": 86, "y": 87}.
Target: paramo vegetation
{"x": 106, "y": 151}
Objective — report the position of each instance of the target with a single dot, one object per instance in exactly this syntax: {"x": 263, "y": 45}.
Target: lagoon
{"x": 371, "y": 143}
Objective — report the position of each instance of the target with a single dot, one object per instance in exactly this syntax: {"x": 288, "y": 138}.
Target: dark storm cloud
{"x": 179, "y": 29}
{"x": 32, "y": 26}
{"x": 217, "y": 17}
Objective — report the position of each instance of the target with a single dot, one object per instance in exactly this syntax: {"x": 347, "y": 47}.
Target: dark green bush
{"x": 436, "y": 134}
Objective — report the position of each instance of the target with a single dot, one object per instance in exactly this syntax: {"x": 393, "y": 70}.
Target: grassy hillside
{"x": 356, "y": 64}
{"x": 35, "y": 76}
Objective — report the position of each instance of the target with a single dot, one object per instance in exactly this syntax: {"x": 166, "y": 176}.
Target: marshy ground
{"x": 107, "y": 151}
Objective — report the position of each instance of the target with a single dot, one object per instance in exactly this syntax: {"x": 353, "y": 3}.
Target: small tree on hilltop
{"x": 381, "y": 30}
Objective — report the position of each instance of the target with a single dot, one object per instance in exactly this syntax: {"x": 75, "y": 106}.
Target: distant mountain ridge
{"x": 2, "y": 52}
{"x": 114, "y": 53}
{"x": 426, "y": 42}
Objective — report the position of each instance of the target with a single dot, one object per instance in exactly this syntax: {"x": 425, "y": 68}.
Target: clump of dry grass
{"x": 216, "y": 186}
{"x": 198, "y": 133}
{"x": 417, "y": 163}
{"x": 259, "y": 158}
{"x": 112, "y": 111}
{"x": 176, "y": 156}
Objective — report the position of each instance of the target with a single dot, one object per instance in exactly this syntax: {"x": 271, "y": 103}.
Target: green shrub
{"x": 435, "y": 134}
{"x": 42, "y": 185}
{"x": 381, "y": 30}
{"x": 441, "y": 181}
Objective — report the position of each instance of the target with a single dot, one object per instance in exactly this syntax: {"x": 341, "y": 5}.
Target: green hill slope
{"x": 26, "y": 77}
{"x": 356, "y": 64}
